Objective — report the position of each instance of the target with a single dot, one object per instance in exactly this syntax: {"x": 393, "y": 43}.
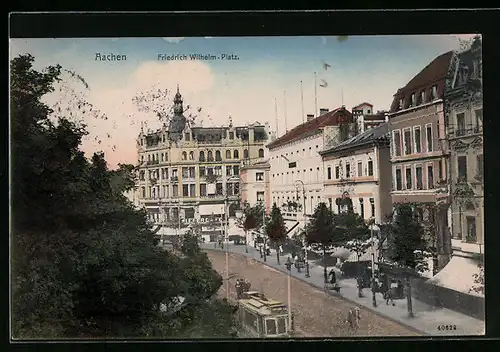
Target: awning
{"x": 209, "y": 209}
{"x": 169, "y": 231}
{"x": 458, "y": 275}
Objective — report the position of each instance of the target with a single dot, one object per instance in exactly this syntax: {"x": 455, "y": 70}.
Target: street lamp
{"x": 239, "y": 215}
{"x": 288, "y": 265}
{"x": 304, "y": 242}
{"x": 372, "y": 228}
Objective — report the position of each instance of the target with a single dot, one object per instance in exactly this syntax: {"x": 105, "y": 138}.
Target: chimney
{"x": 309, "y": 117}
{"x": 322, "y": 111}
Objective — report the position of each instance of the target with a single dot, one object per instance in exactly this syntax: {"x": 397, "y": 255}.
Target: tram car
{"x": 263, "y": 317}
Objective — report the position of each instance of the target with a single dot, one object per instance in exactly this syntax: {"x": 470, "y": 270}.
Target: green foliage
{"x": 252, "y": 217}
{"x": 84, "y": 261}
{"x": 406, "y": 239}
{"x": 479, "y": 280}
{"x": 275, "y": 227}
{"x": 321, "y": 228}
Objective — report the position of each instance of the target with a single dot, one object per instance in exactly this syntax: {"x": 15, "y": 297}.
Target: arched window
{"x": 143, "y": 192}
{"x": 210, "y": 156}
{"x": 191, "y": 155}
{"x": 228, "y": 154}
{"x": 261, "y": 153}
{"x": 218, "y": 156}
{"x": 236, "y": 154}
{"x": 184, "y": 156}
{"x": 245, "y": 153}
{"x": 202, "y": 156}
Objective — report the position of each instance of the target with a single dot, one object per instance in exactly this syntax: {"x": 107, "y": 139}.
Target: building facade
{"x": 366, "y": 118}
{"x": 296, "y": 167}
{"x": 188, "y": 173}
{"x": 358, "y": 175}
{"x": 255, "y": 186}
{"x": 419, "y": 155}
{"x": 464, "y": 117}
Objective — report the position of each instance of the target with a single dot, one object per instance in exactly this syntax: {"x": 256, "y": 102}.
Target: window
{"x": 347, "y": 170}
{"x": 229, "y": 170}
{"x": 202, "y": 156}
{"x": 399, "y": 180}
{"x": 370, "y": 167}
{"x": 360, "y": 169}
{"x": 210, "y": 156}
{"x": 236, "y": 170}
{"x": 337, "y": 172}
{"x": 430, "y": 177}
{"x": 329, "y": 173}
{"x": 440, "y": 170}
{"x": 218, "y": 170}
{"x": 218, "y": 157}
{"x": 191, "y": 155}
{"x": 202, "y": 171}
{"x": 408, "y": 178}
{"x": 471, "y": 236}
{"x": 231, "y": 135}
{"x": 372, "y": 206}
{"x": 185, "y": 191}
{"x": 428, "y": 135}
{"x": 228, "y": 154}
{"x": 192, "y": 190}
{"x": 479, "y": 165}
{"x": 236, "y": 154}
{"x": 397, "y": 143}
{"x": 422, "y": 97}
{"x": 259, "y": 176}
{"x": 462, "y": 167}
{"x": 292, "y": 165}
{"x": 261, "y": 153}
{"x": 143, "y": 189}
{"x": 361, "y": 208}
{"x": 184, "y": 156}
{"x": 418, "y": 172}
{"x": 413, "y": 100}
{"x": 260, "y": 196}
{"x": 192, "y": 172}
{"x": 478, "y": 113}
{"x": 203, "y": 190}
{"x": 270, "y": 327}
{"x": 185, "y": 172}
{"x": 245, "y": 154}
{"x": 187, "y": 137}
{"x": 433, "y": 92}
{"x": 401, "y": 104}
{"x": 460, "y": 125}
{"x": 417, "y": 139}
{"x": 175, "y": 190}
{"x": 407, "y": 141}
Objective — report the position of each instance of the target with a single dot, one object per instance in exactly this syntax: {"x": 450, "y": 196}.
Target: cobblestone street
{"x": 317, "y": 315}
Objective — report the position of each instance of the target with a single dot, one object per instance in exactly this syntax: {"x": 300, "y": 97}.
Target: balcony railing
{"x": 152, "y": 162}
{"x": 463, "y": 132}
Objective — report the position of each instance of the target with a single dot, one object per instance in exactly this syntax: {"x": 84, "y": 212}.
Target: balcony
{"x": 464, "y": 132}
{"x": 152, "y": 162}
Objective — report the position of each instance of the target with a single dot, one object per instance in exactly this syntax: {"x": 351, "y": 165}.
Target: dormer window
{"x": 413, "y": 100}
{"x": 401, "y": 101}
{"x": 422, "y": 97}
{"x": 433, "y": 93}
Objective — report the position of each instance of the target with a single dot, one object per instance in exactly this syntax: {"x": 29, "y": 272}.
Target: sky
{"x": 263, "y": 84}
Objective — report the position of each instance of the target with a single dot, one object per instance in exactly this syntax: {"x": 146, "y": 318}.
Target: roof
{"x": 364, "y": 103}
{"x": 371, "y": 135}
{"x": 257, "y": 165}
{"x": 263, "y": 307}
{"x": 331, "y": 118}
{"x": 375, "y": 117}
{"x": 436, "y": 70}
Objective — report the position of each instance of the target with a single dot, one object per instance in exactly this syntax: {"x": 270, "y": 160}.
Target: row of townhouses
{"x": 427, "y": 149}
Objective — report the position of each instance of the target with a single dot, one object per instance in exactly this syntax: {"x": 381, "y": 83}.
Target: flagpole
{"x": 315, "y": 96}
{"x": 276, "y": 117}
{"x": 302, "y": 100}
{"x": 286, "y": 124}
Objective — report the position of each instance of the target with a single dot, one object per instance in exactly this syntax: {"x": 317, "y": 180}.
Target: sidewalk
{"x": 427, "y": 319}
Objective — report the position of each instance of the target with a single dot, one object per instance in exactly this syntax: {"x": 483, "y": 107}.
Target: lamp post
{"x": 288, "y": 265}
{"x": 305, "y": 226}
{"x": 372, "y": 225}
{"x": 264, "y": 232}
{"x": 239, "y": 215}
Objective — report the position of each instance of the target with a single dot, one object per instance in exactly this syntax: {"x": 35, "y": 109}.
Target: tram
{"x": 263, "y": 317}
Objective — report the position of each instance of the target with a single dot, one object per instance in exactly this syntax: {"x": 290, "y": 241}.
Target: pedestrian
{"x": 389, "y": 293}
{"x": 353, "y": 318}
{"x": 333, "y": 277}
{"x": 238, "y": 287}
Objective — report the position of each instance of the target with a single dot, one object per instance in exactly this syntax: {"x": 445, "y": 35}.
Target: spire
{"x": 178, "y": 108}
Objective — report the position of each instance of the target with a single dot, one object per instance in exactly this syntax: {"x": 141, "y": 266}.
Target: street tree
{"x": 321, "y": 232}
{"x": 408, "y": 248}
{"x": 276, "y": 229}
{"x": 251, "y": 219}
{"x": 351, "y": 229}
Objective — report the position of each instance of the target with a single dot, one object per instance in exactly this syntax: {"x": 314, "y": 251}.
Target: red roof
{"x": 362, "y": 104}
{"x": 434, "y": 73}
{"x": 332, "y": 118}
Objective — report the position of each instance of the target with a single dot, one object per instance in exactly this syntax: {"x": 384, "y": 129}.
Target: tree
{"x": 479, "y": 280}
{"x": 408, "y": 247}
{"x": 356, "y": 234}
{"x": 251, "y": 220}
{"x": 276, "y": 229}
{"x": 80, "y": 250}
{"x": 321, "y": 232}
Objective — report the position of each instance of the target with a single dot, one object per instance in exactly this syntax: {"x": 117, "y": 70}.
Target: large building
{"x": 188, "y": 172}
{"x": 358, "y": 175}
{"x": 366, "y": 118}
{"x": 296, "y": 167}
{"x": 419, "y": 153}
